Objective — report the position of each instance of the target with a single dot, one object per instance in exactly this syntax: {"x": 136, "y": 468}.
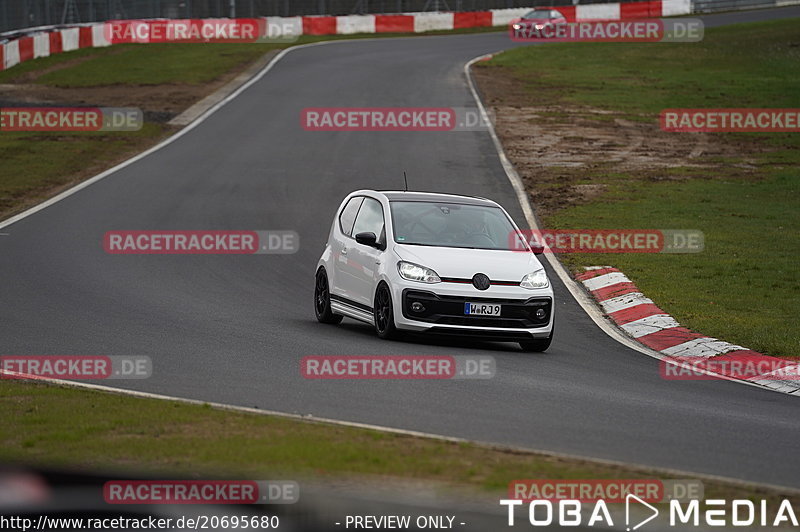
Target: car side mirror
{"x": 368, "y": 239}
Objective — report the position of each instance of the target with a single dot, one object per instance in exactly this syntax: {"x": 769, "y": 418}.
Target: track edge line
{"x": 577, "y": 291}
{"x": 309, "y": 418}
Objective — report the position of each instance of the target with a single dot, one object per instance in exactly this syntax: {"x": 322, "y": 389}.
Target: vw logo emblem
{"x": 480, "y": 281}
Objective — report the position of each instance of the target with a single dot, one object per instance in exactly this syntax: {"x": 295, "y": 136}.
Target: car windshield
{"x": 538, "y": 13}
{"x": 455, "y": 225}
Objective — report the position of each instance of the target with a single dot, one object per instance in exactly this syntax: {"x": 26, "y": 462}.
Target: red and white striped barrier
{"x": 407, "y": 22}
{"x": 644, "y": 321}
{"x": 47, "y": 43}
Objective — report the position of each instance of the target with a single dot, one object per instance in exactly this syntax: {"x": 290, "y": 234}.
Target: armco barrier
{"x": 433, "y": 21}
{"x": 676, "y": 7}
{"x": 597, "y": 12}
{"x": 319, "y": 25}
{"x": 355, "y": 24}
{"x": 42, "y": 43}
{"x": 477, "y": 19}
{"x": 502, "y": 17}
{"x": 394, "y": 23}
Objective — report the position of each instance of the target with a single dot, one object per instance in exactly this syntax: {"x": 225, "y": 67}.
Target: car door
{"x": 345, "y": 264}
{"x": 370, "y": 219}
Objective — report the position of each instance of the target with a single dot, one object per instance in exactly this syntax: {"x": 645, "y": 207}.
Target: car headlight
{"x": 537, "y": 279}
{"x": 414, "y": 272}
{"x": 517, "y": 26}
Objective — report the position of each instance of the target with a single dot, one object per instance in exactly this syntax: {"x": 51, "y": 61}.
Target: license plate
{"x": 481, "y": 309}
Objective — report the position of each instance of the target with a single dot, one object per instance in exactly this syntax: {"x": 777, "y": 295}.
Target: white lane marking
{"x": 701, "y": 347}
{"x": 166, "y": 142}
{"x": 581, "y": 296}
{"x": 779, "y": 386}
{"x": 625, "y": 301}
{"x": 649, "y": 325}
{"x": 789, "y": 369}
{"x": 666, "y": 472}
{"x": 607, "y": 279}
{"x": 785, "y": 379}
{"x": 791, "y": 387}
{"x": 571, "y": 285}
{"x": 199, "y": 120}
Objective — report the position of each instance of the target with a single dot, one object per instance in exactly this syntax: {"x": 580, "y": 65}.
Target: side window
{"x": 370, "y": 218}
{"x": 348, "y": 215}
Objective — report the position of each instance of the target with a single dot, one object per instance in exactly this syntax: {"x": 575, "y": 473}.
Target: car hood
{"x": 464, "y": 263}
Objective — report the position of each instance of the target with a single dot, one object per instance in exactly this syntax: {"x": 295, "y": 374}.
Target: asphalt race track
{"x": 232, "y": 329}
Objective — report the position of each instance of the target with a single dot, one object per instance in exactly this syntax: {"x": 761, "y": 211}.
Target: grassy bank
{"x": 37, "y": 165}
{"x": 64, "y": 427}
{"x": 154, "y": 77}
{"x": 741, "y": 189}
{"x": 132, "y": 64}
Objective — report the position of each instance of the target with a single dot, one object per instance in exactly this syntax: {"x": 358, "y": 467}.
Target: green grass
{"x": 37, "y": 164}
{"x": 60, "y": 426}
{"x": 92, "y": 431}
{"x": 156, "y": 64}
{"x": 744, "y": 288}
{"x": 138, "y": 64}
{"x": 743, "y": 65}
{"x": 56, "y": 426}
{"x": 36, "y": 65}
{"x": 34, "y": 164}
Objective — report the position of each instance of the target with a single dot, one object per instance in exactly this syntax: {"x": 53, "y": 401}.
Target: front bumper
{"x": 521, "y": 318}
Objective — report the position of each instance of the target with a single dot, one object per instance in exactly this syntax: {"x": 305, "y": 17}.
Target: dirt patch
{"x": 34, "y": 75}
{"x": 160, "y": 103}
{"x": 567, "y": 155}
{"x": 168, "y": 99}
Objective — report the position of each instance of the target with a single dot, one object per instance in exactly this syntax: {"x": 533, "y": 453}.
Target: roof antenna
{"x": 405, "y": 178}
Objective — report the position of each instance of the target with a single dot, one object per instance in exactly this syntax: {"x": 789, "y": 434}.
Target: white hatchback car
{"x": 437, "y": 263}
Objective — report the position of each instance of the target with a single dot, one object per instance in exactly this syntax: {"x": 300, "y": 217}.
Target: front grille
{"x": 498, "y": 335}
{"x": 449, "y": 310}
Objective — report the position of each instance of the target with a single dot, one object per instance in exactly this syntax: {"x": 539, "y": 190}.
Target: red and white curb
{"x": 644, "y": 321}
{"x": 49, "y": 42}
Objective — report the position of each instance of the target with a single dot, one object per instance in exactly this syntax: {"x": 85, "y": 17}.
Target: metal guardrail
{"x": 15, "y": 14}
